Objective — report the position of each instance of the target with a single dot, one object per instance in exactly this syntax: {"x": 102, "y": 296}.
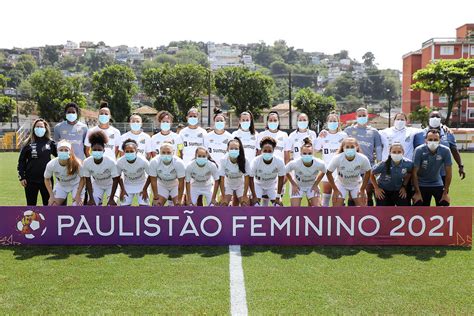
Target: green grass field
{"x": 195, "y": 280}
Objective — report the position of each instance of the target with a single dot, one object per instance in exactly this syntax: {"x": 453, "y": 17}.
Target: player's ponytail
{"x": 241, "y": 158}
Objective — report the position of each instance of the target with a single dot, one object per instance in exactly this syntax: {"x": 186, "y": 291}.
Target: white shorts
{"x": 239, "y": 192}
{"x": 61, "y": 192}
{"x": 270, "y": 192}
{"x": 204, "y": 191}
{"x": 167, "y": 192}
{"x": 127, "y": 200}
{"x": 353, "y": 193}
{"x": 100, "y": 191}
{"x": 309, "y": 192}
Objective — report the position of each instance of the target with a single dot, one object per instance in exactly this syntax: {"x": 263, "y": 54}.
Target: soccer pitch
{"x": 195, "y": 280}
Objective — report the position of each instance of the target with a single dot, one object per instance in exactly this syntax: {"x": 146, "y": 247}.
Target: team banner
{"x": 91, "y": 225}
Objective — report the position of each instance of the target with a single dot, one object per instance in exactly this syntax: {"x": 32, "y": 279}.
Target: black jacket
{"x": 33, "y": 160}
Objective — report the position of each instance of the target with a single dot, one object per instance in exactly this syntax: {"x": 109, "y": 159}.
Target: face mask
{"x": 267, "y": 156}
{"x": 63, "y": 155}
{"x": 307, "y": 158}
{"x": 333, "y": 125}
{"x": 165, "y": 126}
{"x": 166, "y": 158}
{"x": 396, "y": 157}
{"x": 201, "y": 161}
{"x": 362, "y": 120}
{"x": 104, "y": 118}
{"x": 130, "y": 156}
{"x": 40, "y": 131}
{"x": 71, "y": 117}
{"x": 435, "y": 122}
{"x": 97, "y": 154}
{"x": 192, "y": 120}
{"x": 245, "y": 125}
{"x": 302, "y": 124}
{"x": 399, "y": 124}
{"x": 273, "y": 125}
{"x": 135, "y": 126}
{"x": 234, "y": 153}
{"x": 219, "y": 125}
{"x": 350, "y": 152}
{"x": 433, "y": 145}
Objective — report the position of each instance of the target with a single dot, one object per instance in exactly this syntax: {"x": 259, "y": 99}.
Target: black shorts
{"x": 432, "y": 192}
{"x": 392, "y": 198}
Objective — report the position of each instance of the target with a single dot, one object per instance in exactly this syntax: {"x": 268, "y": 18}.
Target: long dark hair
{"x": 207, "y": 153}
{"x": 388, "y": 162}
{"x": 241, "y": 158}
{"x": 278, "y": 116}
{"x": 252, "y": 125}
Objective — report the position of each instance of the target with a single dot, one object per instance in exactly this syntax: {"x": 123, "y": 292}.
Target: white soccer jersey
{"x": 295, "y": 141}
{"x": 303, "y": 175}
{"x": 329, "y": 145}
{"x": 201, "y": 176}
{"x": 102, "y": 174}
{"x": 249, "y": 142}
{"x": 192, "y": 138}
{"x": 266, "y": 174}
{"x": 234, "y": 178}
{"x": 134, "y": 174}
{"x": 114, "y": 140}
{"x": 217, "y": 145}
{"x": 158, "y": 139}
{"x": 280, "y": 137}
{"x": 167, "y": 174}
{"x": 349, "y": 172}
{"x": 60, "y": 173}
{"x": 404, "y": 136}
{"x": 142, "y": 140}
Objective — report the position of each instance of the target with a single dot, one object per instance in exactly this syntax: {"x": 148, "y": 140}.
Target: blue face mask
{"x": 130, "y": 156}
{"x": 333, "y": 126}
{"x": 104, "y": 119}
{"x": 362, "y": 120}
{"x": 166, "y": 158}
{"x": 219, "y": 125}
{"x": 63, "y": 155}
{"x": 245, "y": 125}
{"x": 40, "y": 131}
{"x": 350, "y": 152}
{"x": 234, "y": 153}
{"x": 273, "y": 125}
{"x": 71, "y": 117}
{"x": 307, "y": 158}
{"x": 136, "y": 126}
{"x": 267, "y": 156}
{"x": 165, "y": 126}
{"x": 193, "y": 121}
{"x": 201, "y": 161}
{"x": 302, "y": 124}
{"x": 97, "y": 154}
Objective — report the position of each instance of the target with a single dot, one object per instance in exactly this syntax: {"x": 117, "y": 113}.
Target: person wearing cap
{"x": 72, "y": 130}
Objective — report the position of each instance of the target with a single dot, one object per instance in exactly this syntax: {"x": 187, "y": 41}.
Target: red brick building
{"x": 461, "y": 46}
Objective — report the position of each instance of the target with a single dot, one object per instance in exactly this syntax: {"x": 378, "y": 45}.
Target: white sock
{"x": 265, "y": 202}
{"x": 326, "y": 199}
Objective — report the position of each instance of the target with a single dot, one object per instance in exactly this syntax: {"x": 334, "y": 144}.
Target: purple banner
{"x": 448, "y": 226}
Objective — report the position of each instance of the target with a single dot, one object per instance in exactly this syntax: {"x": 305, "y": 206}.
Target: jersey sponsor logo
{"x": 438, "y": 157}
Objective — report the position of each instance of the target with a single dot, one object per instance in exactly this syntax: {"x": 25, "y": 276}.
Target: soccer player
{"x": 429, "y": 159}
{"x": 399, "y": 133}
{"x": 72, "y": 130}
{"x": 138, "y": 135}
{"x": 65, "y": 168}
{"x": 308, "y": 172}
{"x": 192, "y": 136}
{"x": 267, "y": 172}
{"x": 273, "y": 131}
{"x": 247, "y": 135}
{"x": 394, "y": 176}
{"x": 329, "y": 145}
{"x": 199, "y": 175}
{"x": 166, "y": 175}
{"x": 165, "y": 135}
{"x": 350, "y": 165}
{"x": 216, "y": 141}
{"x": 297, "y": 137}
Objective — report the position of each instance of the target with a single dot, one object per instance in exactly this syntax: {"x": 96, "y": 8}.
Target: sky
{"x": 388, "y": 29}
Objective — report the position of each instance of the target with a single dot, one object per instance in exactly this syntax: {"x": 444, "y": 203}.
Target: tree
{"x": 315, "y": 105}
{"x": 26, "y": 92}
{"x": 51, "y": 55}
{"x": 116, "y": 85}
{"x": 97, "y": 61}
{"x": 368, "y": 59}
{"x": 7, "y": 105}
{"x": 245, "y": 90}
{"x": 421, "y": 115}
{"x": 192, "y": 56}
{"x": 3, "y": 82}
{"x": 450, "y": 78}
{"x": 52, "y": 90}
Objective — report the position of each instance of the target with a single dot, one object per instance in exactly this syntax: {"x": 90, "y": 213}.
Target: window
{"x": 443, "y": 99}
{"x": 446, "y": 50}
{"x": 472, "y": 82}
{"x": 471, "y": 113}
{"x": 472, "y": 50}
{"x": 471, "y": 98}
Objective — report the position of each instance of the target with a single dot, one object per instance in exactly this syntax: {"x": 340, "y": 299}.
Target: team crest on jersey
{"x": 200, "y": 135}
{"x": 275, "y": 170}
{"x": 404, "y": 171}
{"x": 112, "y": 136}
{"x": 342, "y": 168}
{"x": 225, "y": 141}
{"x": 438, "y": 157}
{"x": 64, "y": 132}
{"x": 47, "y": 146}
{"x": 211, "y": 140}
{"x": 142, "y": 141}
{"x": 186, "y": 135}
{"x": 354, "y": 132}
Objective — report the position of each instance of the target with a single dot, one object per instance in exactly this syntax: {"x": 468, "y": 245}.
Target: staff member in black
{"x": 34, "y": 156}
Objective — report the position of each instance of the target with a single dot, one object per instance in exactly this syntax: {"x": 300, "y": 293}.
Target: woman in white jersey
{"x": 201, "y": 174}
{"x": 304, "y": 174}
{"x": 100, "y": 172}
{"x": 167, "y": 174}
{"x": 138, "y": 135}
{"x": 267, "y": 174}
{"x": 296, "y": 138}
{"x": 233, "y": 170}
{"x": 349, "y": 183}
{"x": 247, "y": 135}
{"x": 114, "y": 140}
{"x": 192, "y": 136}
{"x": 134, "y": 168}
{"x": 66, "y": 169}
{"x": 329, "y": 145}
{"x": 216, "y": 141}
{"x": 273, "y": 131}
{"x": 165, "y": 119}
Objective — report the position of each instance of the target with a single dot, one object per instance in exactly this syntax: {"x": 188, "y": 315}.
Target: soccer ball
{"x": 31, "y": 224}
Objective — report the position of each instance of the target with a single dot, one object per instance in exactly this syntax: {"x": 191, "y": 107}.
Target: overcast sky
{"x": 387, "y": 28}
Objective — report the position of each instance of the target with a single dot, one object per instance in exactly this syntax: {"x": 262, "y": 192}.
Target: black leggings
{"x": 31, "y": 192}
{"x": 428, "y": 192}
{"x": 392, "y": 198}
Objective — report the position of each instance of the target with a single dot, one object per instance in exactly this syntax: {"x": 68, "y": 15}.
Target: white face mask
{"x": 432, "y": 145}
{"x": 396, "y": 157}
{"x": 435, "y": 122}
{"x": 399, "y": 124}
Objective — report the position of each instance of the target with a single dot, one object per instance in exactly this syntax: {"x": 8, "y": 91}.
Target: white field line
{"x": 238, "y": 299}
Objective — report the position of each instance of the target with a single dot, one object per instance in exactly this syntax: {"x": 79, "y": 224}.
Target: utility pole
{"x": 209, "y": 99}
{"x": 289, "y": 101}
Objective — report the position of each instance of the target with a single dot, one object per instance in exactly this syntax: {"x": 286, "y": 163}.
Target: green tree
{"x": 97, "y": 61}
{"x": 450, "y": 78}
{"x": 421, "y": 115}
{"x": 315, "y": 105}
{"x": 116, "y": 85}
{"x": 192, "y": 56}
{"x": 368, "y": 59}
{"x": 51, "y": 55}
{"x": 7, "y": 105}
{"x": 3, "y": 82}
{"x": 245, "y": 90}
